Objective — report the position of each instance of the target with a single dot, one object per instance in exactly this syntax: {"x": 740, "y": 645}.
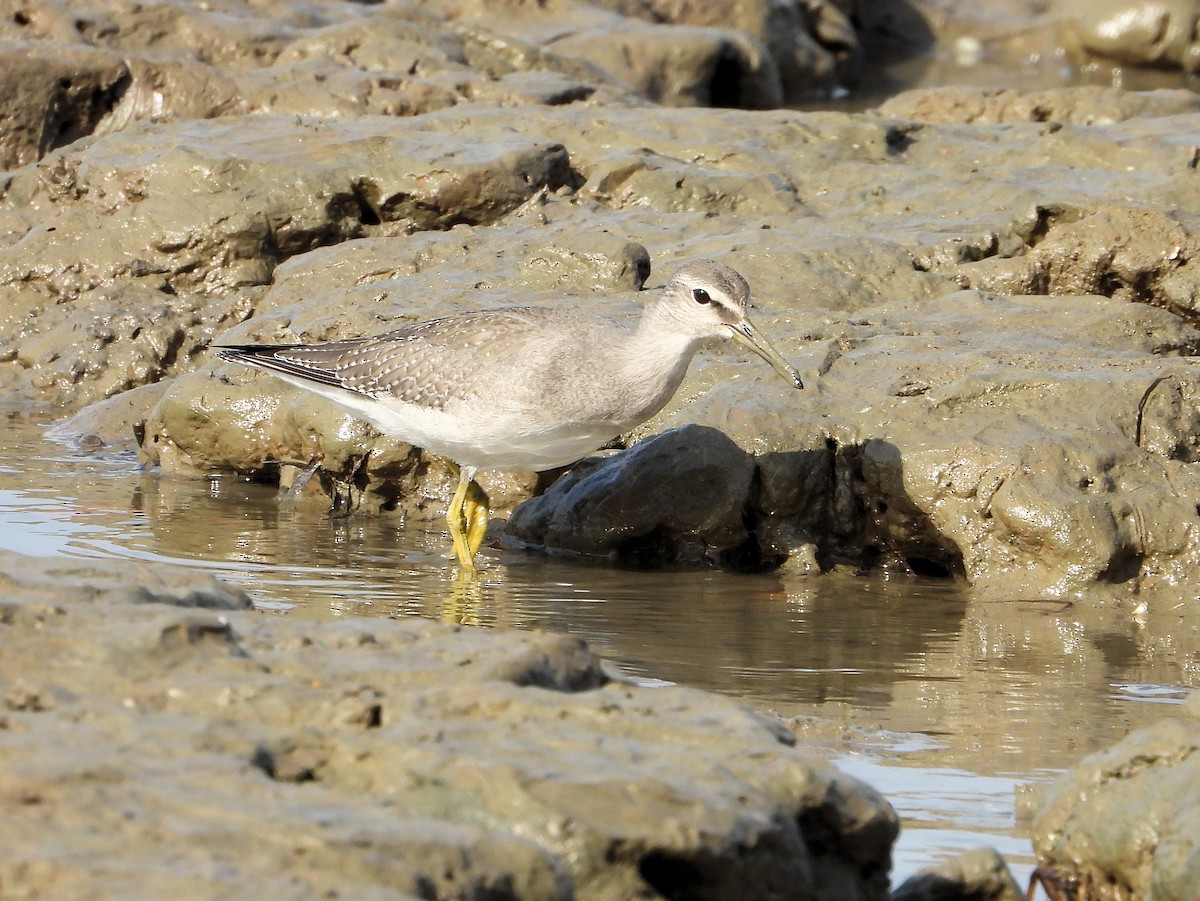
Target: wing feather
{"x": 428, "y": 365}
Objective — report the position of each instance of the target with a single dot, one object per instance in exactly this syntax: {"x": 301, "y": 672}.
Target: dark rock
{"x": 55, "y": 94}
{"x": 979, "y": 875}
{"x": 680, "y": 497}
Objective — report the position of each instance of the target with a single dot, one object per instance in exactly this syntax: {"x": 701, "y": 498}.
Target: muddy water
{"x": 944, "y": 700}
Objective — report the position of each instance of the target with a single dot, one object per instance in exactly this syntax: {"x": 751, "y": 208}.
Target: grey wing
{"x": 427, "y": 365}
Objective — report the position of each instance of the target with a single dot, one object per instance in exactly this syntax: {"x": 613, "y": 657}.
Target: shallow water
{"x": 943, "y": 699}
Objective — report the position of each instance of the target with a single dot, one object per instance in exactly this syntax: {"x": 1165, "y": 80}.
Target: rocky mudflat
{"x": 989, "y": 292}
{"x": 991, "y": 295}
{"x": 184, "y": 745}
{"x": 1040, "y": 443}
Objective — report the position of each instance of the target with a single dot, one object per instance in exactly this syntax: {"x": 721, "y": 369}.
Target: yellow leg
{"x": 475, "y": 514}
{"x": 467, "y": 517}
{"x": 456, "y": 518}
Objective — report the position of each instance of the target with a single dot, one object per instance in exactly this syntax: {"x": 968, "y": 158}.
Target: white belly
{"x": 496, "y": 440}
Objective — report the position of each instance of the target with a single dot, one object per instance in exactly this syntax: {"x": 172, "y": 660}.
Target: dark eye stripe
{"x": 700, "y": 295}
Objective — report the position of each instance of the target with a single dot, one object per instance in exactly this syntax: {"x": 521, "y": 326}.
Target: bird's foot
{"x": 467, "y": 518}
{"x": 476, "y": 510}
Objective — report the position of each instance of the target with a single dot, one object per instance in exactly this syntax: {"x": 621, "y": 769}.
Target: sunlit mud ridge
{"x": 393, "y": 757}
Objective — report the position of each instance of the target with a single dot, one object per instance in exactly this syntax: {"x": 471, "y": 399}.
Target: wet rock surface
{"x": 389, "y": 758}
{"x": 1122, "y": 824}
{"x": 1160, "y": 35}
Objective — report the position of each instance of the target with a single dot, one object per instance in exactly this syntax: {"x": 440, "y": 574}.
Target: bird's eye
{"x": 700, "y": 296}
